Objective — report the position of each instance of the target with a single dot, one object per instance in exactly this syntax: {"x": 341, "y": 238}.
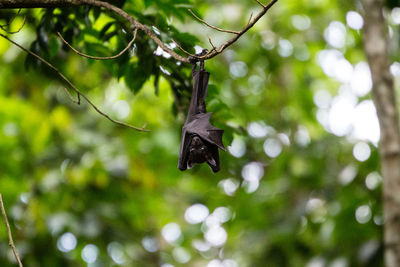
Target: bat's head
{"x": 196, "y": 143}
{"x": 199, "y": 152}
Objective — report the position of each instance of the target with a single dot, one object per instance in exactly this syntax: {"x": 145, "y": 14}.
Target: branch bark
{"x": 211, "y": 26}
{"x": 100, "y": 58}
{"x": 384, "y": 97}
{"x": 249, "y": 25}
{"x": 9, "y": 4}
{"x": 10, "y": 238}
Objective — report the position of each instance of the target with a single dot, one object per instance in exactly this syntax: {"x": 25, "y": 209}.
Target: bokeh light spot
{"x": 301, "y": 22}
{"x": 237, "y": 148}
{"x": 229, "y": 186}
{"x": 335, "y": 34}
{"x": 285, "y": 48}
{"x": 122, "y": 109}
{"x": 354, "y": 20}
{"x": 361, "y": 151}
{"x": 253, "y": 171}
{"x": 322, "y": 98}
{"x": 196, "y": 213}
{"x": 341, "y": 115}
{"x": 223, "y": 214}
{"x": 272, "y": 147}
{"x": 67, "y": 242}
{"x": 363, "y": 214}
{"x": 373, "y": 180}
{"x": 395, "y": 15}
{"x": 302, "y": 137}
{"x": 181, "y": 255}
{"x": 238, "y": 69}
{"x": 116, "y": 252}
{"x": 216, "y": 236}
{"x": 150, "y": 244}
{"x": 347, "y": 175}
{"x": 171, "y": 232}
{"x": 361, "y": 81}
{"x": 90, "y": 253}
{"x": 395, "y": 69}
{"x": 257, "y": 129}
{"x": 366, "y": 124}
{"x": 201, "y": 246}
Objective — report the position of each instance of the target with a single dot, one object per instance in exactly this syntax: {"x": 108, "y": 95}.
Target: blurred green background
{"x": 300, "y": 185}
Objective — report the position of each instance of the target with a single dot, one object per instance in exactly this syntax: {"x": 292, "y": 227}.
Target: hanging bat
{"x": 200, "y": 140}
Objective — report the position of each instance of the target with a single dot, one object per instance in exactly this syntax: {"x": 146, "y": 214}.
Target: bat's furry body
{"x": 200, "y": 140}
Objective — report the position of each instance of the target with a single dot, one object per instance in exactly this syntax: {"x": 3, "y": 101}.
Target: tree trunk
{"x": 376, "y": 49}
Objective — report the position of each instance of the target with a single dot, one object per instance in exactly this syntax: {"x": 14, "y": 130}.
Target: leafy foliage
{"x": 64, "y": 170}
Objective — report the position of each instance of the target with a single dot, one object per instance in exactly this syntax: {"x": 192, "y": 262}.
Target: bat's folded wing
{"x": 184, "y": 150}
{"x": 201, "y": 126}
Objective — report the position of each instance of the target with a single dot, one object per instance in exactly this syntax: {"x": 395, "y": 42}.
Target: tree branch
{"x": 10, "y": 238}
{"x": 100, "y": 58}
{"x": 7, "y": 4}
{"x": 211, "y": 43}
{"x": 68, "y": 3}
{"x": 65, "y": 79}
{"x": 249, "y": 21}
{"x": 182, "y": 49}
{"x": 3, "y": 27}
{"x": 249, "y": 25}
{"x": 211, "y": 26}
{"x": 11, "y": 20}
{"x": 261, "y": 4}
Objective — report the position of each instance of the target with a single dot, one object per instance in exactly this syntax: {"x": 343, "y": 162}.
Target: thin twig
{"x": 3, "y": 27}
{"x": 249, "y": 21}
{"x": 137, "y": 24}
{"x": 211, "y": 26}
{"x": 11, "y": 20}
{"x": 182, "y": 49}
{"x": 261, "y": 4}
{"x": 74, "y": 87}
{"x": 10, "y": 238}
{"x": 78, "y": 101}
{"x": 211, "y": 43}
{"x": 225, "y": 45}
{"x": 100, "y": 58}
